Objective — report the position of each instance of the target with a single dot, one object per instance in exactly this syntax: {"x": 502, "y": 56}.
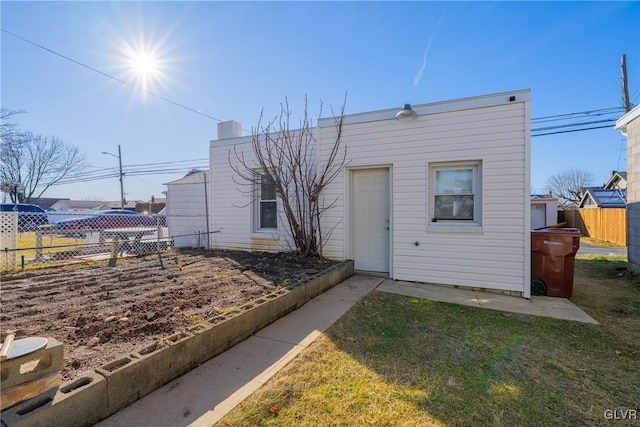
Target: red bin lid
{"x": 563, "y": 231}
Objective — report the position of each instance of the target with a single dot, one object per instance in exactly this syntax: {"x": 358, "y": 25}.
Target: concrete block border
{"x": 97, "y": 394}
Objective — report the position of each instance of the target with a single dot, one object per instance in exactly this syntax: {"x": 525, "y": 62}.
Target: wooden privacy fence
{"x": 609, "y": 224}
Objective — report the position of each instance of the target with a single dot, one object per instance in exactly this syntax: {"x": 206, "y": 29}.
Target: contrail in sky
{"x": 418, "y": 77}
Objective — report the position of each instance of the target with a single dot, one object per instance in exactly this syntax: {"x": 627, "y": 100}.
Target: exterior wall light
{"x": 406, "y": 114}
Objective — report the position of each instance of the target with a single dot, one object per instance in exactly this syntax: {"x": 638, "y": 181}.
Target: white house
{"x": 187, "y": 210}
{"x": 443, "y": 198}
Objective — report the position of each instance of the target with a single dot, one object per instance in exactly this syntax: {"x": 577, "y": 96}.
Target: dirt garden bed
{"x": 101, "y": 313}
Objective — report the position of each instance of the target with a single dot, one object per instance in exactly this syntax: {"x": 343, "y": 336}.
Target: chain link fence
{"x": 35, "y": 238}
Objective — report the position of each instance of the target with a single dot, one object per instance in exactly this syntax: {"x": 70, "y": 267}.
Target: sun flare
{"x": 144, "y": 65}
{"x": 145, "y": 61}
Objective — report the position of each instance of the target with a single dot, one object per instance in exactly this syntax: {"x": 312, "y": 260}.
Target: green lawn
{"x": 50, "y": 244}
{"x": 400, "y": 361}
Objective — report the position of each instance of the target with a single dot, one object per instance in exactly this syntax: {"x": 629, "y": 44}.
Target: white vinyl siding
{"x": 186, "y": 211}
{"x": 494, "y": 134}
{"x": 491, "y": 131}
{"x": 232, "y": 203}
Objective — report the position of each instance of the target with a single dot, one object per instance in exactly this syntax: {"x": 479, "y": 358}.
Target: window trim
{"x": 455, "y": 225}
{"x": 257, "y": 206}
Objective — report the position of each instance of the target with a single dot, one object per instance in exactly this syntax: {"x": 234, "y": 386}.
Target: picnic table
{"x": 128, "y": 238}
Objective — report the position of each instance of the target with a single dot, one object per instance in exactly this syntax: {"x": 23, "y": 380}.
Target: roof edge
{"x": 622, "y": 122}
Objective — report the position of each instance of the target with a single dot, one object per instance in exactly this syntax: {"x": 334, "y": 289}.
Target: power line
{"x": 579, "y": 115}
{"x": 173, "y": 167}
{"x": 132, "y": 171}
{"x": 156, "y": 168}
{"x": 110, "y": 76}
{"x": 611, "y": 121}
{"x": 578, "y": 121}
{"x": 166, "y": 171}
{"x": 572, "y": 130}
{"x": 558, "y": 117}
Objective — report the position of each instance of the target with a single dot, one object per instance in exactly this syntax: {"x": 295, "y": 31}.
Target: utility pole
{"x": 625, "y": 86}
{"x": 119, "y": 156}
{"x": 122, "y": 177}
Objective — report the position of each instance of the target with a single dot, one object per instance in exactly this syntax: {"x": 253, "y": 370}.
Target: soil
{"x": 102, "y": 313}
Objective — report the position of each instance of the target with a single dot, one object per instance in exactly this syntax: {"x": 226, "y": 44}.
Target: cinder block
{"x": 322, "y": 282}
{"x": 282, "y": 304}
{"x": 81, "y": 402}
{"x": 229, "y": 332}
{"x": 32, "y": 366}
{"x": 298, "y": 295}
{"x": 213, "y": 335}
{"x": 181, "y": 359}
{"x": 22, "y": 392}
{"x": 256, "y": 316}
{"x": 125, "y": 379}
{"x": 22, "y": 415}
{"x": 96, "y": 395}
{"x": 273, "y": 307}
{"x": 151, "y": 368}
{"x": 313, "y": 287}
{"x": 200, "y": 345}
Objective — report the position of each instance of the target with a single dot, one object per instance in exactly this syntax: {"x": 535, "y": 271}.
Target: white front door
{"x": 370, "y": 219}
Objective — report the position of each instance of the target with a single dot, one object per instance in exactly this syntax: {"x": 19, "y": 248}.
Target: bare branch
{"x": 568, "y": 185}
{"x": 288, "y": 158}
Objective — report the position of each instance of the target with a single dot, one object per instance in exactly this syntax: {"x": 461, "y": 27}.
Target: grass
{"x": 51, "y": 243}
{"x": 401, "y": 361}
{"x": 26, "y": 248}
{"x": 28, "y": 240}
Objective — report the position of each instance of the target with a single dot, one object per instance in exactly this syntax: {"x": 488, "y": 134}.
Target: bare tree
{"x": 568, "y": 185}
{"x": 8, "y": 130}
{"x": 289, "y": 161}
{"x": 38, "y": 162}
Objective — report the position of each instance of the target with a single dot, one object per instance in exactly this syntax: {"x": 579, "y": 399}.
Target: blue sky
{"x": 229, "y": 60}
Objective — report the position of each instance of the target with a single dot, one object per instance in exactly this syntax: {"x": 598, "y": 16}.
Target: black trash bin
{"x": 553, "y": 252}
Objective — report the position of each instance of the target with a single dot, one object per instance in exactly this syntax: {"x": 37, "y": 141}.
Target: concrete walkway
{"x": 557, "y": 308}
{"x": 587, "y": 248}
{"x": 204, "y": 395}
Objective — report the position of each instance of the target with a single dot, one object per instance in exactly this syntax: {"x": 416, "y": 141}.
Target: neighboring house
{"x": 593, "y": 197}
{"x": 45, "y": 202}
{"x": 154, "y": 205}
{"x": 629, "y": 125}
{"x": 422, "y": 200}
{"x": 76, "y": 205}
{"x": 544, "y": 211}
{"x": 84, "y": 205}
{"x": 618, "y": 181}
{"x": 186, "y": 210}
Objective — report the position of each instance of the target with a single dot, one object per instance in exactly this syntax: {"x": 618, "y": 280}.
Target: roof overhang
{"x": 622, "y": 122}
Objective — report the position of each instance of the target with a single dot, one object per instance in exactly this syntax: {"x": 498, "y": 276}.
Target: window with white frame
{"x": 455, "y": 195}
{"x": 266, "y": 206}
